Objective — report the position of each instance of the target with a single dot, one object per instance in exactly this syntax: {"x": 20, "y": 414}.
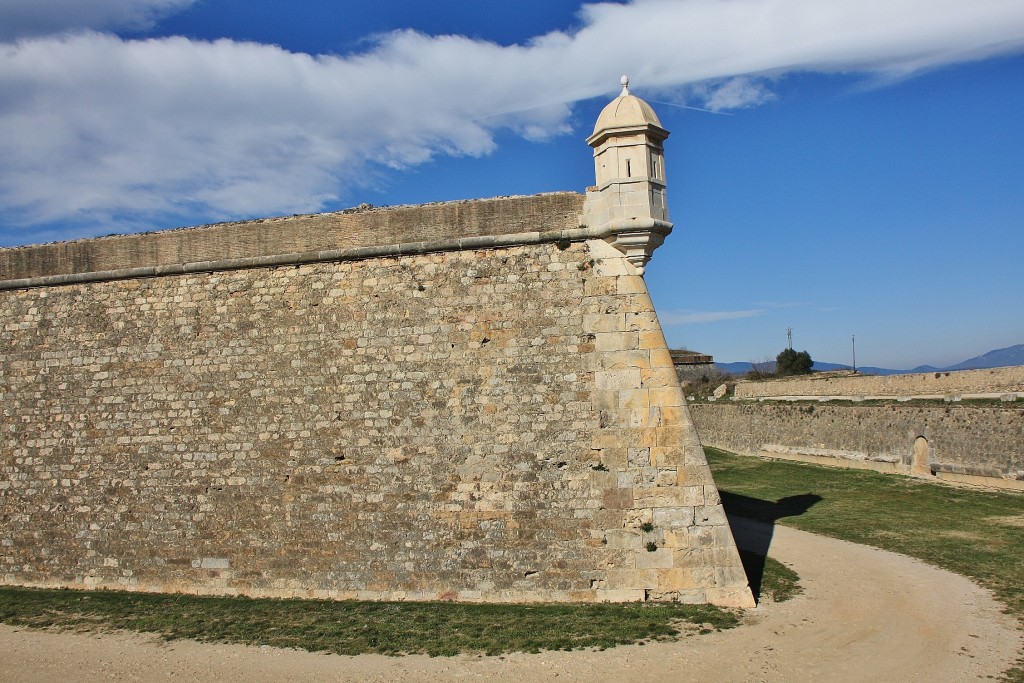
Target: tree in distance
{"x": 791, "y": 362}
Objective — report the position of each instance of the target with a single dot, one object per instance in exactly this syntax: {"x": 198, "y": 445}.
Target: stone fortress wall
{"x": 987, "y": 383}
{"x": 490, "y": 425}
{"x": 354, "y": 233}
{"x": 981, "y": 445}
{"x": 471, "y": 400}
{"x": 468, "y": 401}
{"x": 952, "y": 441}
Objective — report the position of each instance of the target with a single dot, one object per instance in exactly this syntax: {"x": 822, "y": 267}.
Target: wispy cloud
{"x": 780, "y": 304}
{"x": 732, "y": 93}
{"x": 692, "y": 317}
{"x": 23, "y": 18}
{"x": 95, "y": 128}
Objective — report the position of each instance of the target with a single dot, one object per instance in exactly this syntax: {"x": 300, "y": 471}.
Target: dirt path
{"x": 865, "y": 615}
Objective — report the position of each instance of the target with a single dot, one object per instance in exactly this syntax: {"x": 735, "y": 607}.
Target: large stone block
{"x": 654, "y": 559}
{"x": 632, "y": 579}
{"x": 622, "y": 595}
{"x": 618, "y": 499}
{"x": 668, "y": 456}
{"x": 663, "y": 497}
{"x": 623, "y": 378}
{"x": 673, "y": 518}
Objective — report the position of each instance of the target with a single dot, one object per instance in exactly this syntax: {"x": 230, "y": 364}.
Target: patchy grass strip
{"x": 779, "y": 583}
{"x": 962, "y": 530}
{"x": 356, "y": 627}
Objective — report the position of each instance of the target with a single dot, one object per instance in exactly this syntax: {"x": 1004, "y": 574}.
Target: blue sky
{"x": 860, "y": 171}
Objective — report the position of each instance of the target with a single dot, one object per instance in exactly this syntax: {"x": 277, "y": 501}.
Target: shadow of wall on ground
{"x": 753, "y": 524}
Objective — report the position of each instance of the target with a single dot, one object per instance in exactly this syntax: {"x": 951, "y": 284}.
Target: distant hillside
{"x": 866, "y": 369}
{"x": 738, "y": 368}
{"x": 998, "y": 358}
{"x": 741, "y": 368}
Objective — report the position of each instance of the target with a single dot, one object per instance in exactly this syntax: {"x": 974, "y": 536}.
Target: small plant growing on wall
{"x": 651, "y": 546}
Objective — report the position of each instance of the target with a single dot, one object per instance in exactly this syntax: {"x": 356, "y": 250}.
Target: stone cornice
{"x": 611, "y": 233}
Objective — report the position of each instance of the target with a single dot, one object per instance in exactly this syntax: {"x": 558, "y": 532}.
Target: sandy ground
{"x": 865, "y": 615}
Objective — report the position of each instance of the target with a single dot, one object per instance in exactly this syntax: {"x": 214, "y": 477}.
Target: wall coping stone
{"x": 941, "y": 384}
{"x": 356, "y": 254}
{"x": 362, "y": 232}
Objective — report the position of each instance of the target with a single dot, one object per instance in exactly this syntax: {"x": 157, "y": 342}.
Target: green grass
{"x": 779, "y": 582}
{"x": 974, "y": 533}
{"x": 357, "y": 627}
{"x": 978, "y": 534}
{"x": 877, "y": 402}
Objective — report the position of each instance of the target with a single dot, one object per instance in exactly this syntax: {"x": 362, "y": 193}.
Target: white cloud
{"x": 732, "y": 93}
{"x": 97, "y": 128}
{"x": 23, "y": 18}
{"x": 691, "y": 317}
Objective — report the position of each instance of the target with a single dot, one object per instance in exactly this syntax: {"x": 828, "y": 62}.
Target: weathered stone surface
{"x": 664, "y": 469}
{"x": 983, "y": 442}
{"x": 349, "y": 229}
{"x": 416, "y": 427}
{"x": 991, "y": 381}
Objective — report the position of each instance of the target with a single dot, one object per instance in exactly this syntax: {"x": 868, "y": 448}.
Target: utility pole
{"x": 853, "y": 344}
{"x": 789, "y": 336}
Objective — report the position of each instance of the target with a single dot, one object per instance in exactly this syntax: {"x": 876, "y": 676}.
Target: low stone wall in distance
{"x": 991, "y": 382}
{"x": 979, "y": 445}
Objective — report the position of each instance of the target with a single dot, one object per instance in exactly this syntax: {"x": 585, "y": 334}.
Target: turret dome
{"x": 626, "y": 111}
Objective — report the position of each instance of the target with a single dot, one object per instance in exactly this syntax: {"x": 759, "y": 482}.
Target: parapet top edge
{"x": 281, "y": 260}
{"x": 355, "y": 210}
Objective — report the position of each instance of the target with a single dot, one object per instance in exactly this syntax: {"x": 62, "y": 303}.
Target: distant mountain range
{"x": 998, "y": 358}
